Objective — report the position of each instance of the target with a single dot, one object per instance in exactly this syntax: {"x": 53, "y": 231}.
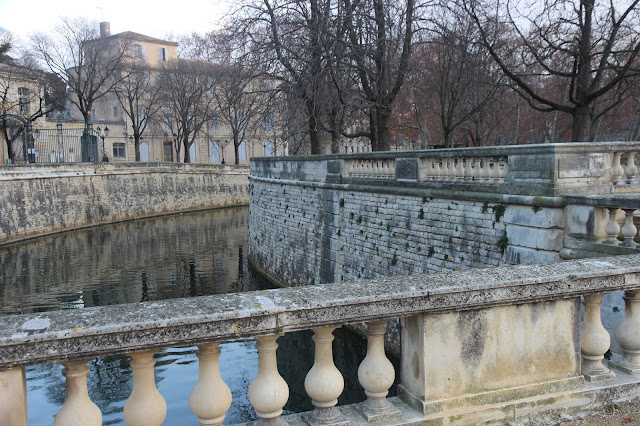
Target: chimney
{"x": 105, "y": 29}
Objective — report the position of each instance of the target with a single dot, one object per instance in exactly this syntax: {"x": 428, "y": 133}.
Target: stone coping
{"x": 34, "y": 171}
{"x": 621, "y": 201}
{"x": 448, "y": 191}
{"x": 88, "y": 332}
{"x": 557, "y": 148}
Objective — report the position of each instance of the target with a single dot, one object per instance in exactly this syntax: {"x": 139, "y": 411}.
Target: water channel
{"x": 185, "y": 255}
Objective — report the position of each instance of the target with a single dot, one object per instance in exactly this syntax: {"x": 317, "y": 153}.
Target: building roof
{"x": 130, "y": 35}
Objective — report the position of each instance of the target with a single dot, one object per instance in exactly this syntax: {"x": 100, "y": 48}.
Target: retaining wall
{"x": 37, "y": 200}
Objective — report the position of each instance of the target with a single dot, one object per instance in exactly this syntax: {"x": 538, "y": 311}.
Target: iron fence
{"x": 59, "y": 145}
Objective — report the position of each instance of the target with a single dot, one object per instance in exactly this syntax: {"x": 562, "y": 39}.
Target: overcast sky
{"x": 152, "y": 18}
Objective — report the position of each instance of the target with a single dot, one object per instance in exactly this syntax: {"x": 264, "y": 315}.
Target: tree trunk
{"x": 314, "y": 136}
{"x": 136, "y": 145}
{"x": 236, "y": 149}
{"x": 579, "y": 124}
{"x": 382, "y": 132}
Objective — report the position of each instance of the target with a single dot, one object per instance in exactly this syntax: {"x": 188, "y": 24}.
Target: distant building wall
{"x": 42, "y": 199}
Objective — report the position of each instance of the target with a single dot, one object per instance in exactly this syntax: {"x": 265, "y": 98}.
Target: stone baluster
{"x": 616, "y": 171}
{"x": 612, "y": 229}
{"x": 145, "y": 406}
{"x": 13, "y": 397}
{"x": 324, "y": 382}
{"x": 435, "y": 169}
{"x": 376, "y": 375}
{"x": 475, "y": 172}
{"x": 392, "y": 166}
{"x": 210, "y": 398}
{"x": 495, "y": 172}
{"x": 629, "y": 230}
{"x": 269, "y": 392}
{"x": 486, "y": 171}
{"x": 627, "y": 333}
{"x": 631, "y": 170}
{"x": 78, "y": 409}
{"x": 468, "y": 169}
{"x": 504, "y": 169}
{"x": 594, "y": 340}
{"x": 458, "y": 173}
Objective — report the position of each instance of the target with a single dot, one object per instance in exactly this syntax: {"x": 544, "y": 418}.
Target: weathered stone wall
{"x": 38, "y": 200}
{"x": 307, "y": 233}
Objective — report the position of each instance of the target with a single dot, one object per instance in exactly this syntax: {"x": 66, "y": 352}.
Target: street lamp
{"x": 103, "y": 134}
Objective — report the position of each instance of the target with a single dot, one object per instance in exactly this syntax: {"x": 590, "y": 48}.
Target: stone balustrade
{"x": 477, "y": 345}
{"x": 602, "y": 224}
{"x": 539, "y": 170}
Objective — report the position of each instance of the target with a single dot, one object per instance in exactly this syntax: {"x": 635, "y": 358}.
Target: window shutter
{"x": 144, "y": 51}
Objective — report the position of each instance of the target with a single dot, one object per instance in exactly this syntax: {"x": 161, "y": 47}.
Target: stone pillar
{"x": 268, "y": 392}
{"x": 145, "y": 406}
{"x": 595, "y": 340}
{"x": 472, "y": 358}
{"x": 78, "y": 409}
{"x": 376, "y": 375}
{"x": 627, "y": 333}
{"x": 13, "y": 397}
{"x": 210, "y": 398}
{"x": 324, "y": 382}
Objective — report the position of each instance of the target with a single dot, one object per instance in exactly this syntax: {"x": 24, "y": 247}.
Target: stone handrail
{"x": 602, "y": 224}
{"x": 543, "y": 170}
{"x": 72, "y": 337}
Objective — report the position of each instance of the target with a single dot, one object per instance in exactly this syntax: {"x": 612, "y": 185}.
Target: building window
{"x": 167, "y": 151}
{"x": 115, "y": 111}
{"x": 213, "y": 122}
{"x": 138, "y": 51}
{"x": 268, "y": 149}
{"x": 23, "y": 100}
{"x": 166, "y": 119}
{"x": 268, "y": 122}
{"x": 242, "y": 151}
{"x": 214, "y": 151}
{"x": 162, "y": 54}
{"x": 119, "y": 150}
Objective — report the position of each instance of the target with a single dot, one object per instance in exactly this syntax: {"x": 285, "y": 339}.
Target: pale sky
{"x": 153, "y": 18}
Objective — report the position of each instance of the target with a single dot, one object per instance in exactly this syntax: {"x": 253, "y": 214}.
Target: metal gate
{"x": 61, "y": 144}
{"x": 17, "y": 138}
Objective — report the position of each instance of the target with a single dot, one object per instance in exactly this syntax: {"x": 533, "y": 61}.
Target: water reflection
{"x": 184, "y": 255}
{"x": 176, "y": 256}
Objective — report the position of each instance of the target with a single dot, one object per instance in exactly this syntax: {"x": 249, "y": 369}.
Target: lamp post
{"x": 60, "y": 154}
{"x": 103, "y": 134}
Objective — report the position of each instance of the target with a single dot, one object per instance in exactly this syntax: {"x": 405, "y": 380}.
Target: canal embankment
{"x": 38, "y": 200}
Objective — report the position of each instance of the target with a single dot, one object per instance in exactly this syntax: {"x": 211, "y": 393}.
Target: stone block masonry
{"x": 301, "y": 234}
{"x": 39, "y": 200}
{"x": 337, "y": 218}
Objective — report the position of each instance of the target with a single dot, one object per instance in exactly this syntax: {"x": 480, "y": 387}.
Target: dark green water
{"x": 186, "y": 255}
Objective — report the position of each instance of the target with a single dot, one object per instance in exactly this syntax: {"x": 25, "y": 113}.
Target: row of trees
{"x": 470, "y": 71}
{"x": 183, "y": 98}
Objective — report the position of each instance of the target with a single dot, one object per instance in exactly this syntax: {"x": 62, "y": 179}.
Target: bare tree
{"x": 186, "y": 93}
{"x": 457, "y": 77}
{"x": 90, "y": 65}
{"x": 139, "y": 95}
{"x": 28, "y": 92}
{"x": 380, "y": 35}
{"x": 242, "y": 92}
{"x": 589, "y": 47}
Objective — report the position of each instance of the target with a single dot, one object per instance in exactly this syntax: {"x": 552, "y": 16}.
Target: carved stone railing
{"x": 542, "y": 170}
{"x": 496, "y": 343}
{"x": 602, "y": 224}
